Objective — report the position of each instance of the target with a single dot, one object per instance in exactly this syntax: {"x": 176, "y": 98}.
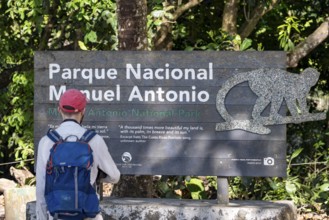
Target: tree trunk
{"x": 230, "y": 15}
{"x": 132, "y": 35}
{"x": 132, "y": 19}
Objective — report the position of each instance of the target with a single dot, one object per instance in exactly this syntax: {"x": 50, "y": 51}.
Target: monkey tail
{"x": 223, "y": 91}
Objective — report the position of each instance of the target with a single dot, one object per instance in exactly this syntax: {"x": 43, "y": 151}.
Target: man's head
{"x": 72, "y": 101}
{"x": 72, "y": 105}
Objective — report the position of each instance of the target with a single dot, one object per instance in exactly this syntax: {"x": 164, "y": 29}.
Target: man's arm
{"x": 105, "y": 161}
{"x": 41, "y": 207}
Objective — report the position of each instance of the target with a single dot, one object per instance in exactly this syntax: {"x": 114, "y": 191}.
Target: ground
{"x": 313, "y": 216}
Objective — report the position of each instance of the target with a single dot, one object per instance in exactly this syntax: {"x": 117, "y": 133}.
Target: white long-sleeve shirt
{"x": 101, "y": 155}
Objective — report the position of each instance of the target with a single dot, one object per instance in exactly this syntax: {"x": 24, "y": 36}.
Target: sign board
{"x": 158, "y": 112}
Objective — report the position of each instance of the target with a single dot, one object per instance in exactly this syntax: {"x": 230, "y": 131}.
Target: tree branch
{"x": 257, "y": 14}
{"x": 162, "y": 39}
{"x": 185, "y": 7}
{"x": 6, "y": 74}
{"x": 311, "y": 42}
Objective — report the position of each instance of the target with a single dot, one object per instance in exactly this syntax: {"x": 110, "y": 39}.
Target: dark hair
{"x": 68, "y": 107}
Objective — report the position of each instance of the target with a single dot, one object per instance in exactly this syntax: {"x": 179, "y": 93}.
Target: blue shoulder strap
{"x": 88, "y": 135}
{"x": 53, "y": 135}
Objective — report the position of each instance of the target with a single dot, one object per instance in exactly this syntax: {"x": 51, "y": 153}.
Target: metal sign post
{"x": 222, "y": 190}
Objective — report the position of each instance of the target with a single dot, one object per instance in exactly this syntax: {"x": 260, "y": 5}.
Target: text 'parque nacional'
{"x": 132, "y": 72}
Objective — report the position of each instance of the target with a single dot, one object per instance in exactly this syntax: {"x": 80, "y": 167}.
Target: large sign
{"x": 162, "y": 112}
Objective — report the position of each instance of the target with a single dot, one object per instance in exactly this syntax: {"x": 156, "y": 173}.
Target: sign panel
{"x": 159, "y": 112}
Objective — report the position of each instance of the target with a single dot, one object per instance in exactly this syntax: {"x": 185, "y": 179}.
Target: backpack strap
{"x": 53, "y": 135}
{"x": 88, "y": 135}
{"x": 56, "y": 138}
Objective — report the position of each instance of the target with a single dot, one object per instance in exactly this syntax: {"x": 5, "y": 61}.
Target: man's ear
{"x": 60, "y": 112}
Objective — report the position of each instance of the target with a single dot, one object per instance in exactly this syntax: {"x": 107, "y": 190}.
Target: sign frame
{"x": 157, "y": 110}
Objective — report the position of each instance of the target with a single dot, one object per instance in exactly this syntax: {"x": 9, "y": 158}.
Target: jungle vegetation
{"x": 300, "y": 28}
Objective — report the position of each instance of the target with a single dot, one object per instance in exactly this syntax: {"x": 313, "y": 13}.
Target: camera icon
{"x": 126, "y": 157}
{"x": 269, "y": 161}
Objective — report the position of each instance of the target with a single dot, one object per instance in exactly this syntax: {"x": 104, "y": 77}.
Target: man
{"x": 72, "y": 108}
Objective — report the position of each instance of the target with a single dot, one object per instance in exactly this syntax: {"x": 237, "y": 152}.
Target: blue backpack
{"x": 68, "y": 192}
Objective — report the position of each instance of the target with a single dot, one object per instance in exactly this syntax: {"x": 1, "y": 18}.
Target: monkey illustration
{"x": 272, "y": 86}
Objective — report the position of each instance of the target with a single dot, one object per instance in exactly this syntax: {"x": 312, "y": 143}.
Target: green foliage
{"x": 286, "y": 33}
{"x": 196, "y": 188}
{"x": 170, "y": 187}
{"x": 308, "y": 168}
{"x": 17, "y": 121}
{"x": 201, "y": 187}
{"x": 221, "y": 41}
{"x": 91, "y": 22}
{"x": 187, "y": 187}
